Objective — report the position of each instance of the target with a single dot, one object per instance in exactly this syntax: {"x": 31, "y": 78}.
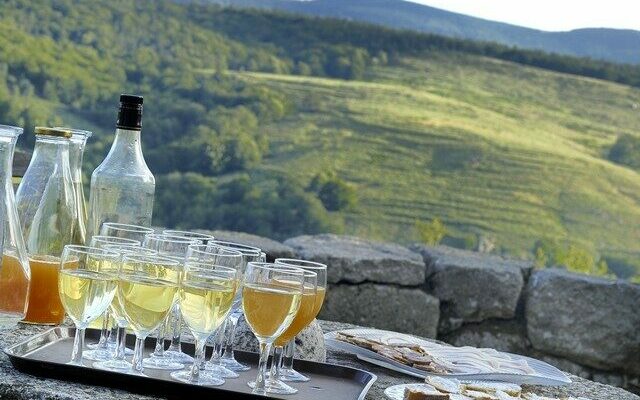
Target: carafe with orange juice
{"x": 14, "y": 267}
{"x": 46, "y": 205}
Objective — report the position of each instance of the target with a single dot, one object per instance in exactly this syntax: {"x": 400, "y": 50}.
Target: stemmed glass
{"x": 206, "y": 293}
{"x": 106, "y": 346}
{"x": 128, "y": 231}
{"x": 286, "y": 372}
{"x": 176, "y": 248}
{"x": 225, "y": 338}
{"x": 229, "y": 258}
{"x": 303, "y": 317}
{"x": 203, "y": 238}
{"x": 86, "y": 284}
{"x": 118, "y": 361}
{"x": 147, "y": 287}
{"x": 271, "y": 296}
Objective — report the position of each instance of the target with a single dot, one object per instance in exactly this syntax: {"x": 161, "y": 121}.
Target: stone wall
{"x": 584, "y": 325}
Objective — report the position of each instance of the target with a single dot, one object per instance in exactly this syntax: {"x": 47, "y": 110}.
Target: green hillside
{"x": 299, "y": 125}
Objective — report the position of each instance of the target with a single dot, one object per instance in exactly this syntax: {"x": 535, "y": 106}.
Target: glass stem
{"x": 276, "y": 362}
{"x": 78, "y": 345}
{"x": 197, "y": 359}
{"x": 159, "y": 350}
{"x": 122, "y": 342}
{"x": 218, "y": 343}
{"x": 104, "y": 333}
{"x": 138, "y": 355}
{"x": 289, "y": 350}
{"x": 176, "y": 328}
{"x": 112, "y": 340}
{"x": 265, "y": 349}
{"x": 230, "y": 331}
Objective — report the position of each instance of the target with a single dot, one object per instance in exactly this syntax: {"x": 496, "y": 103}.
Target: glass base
{"x": 161, "y": 363}
{"x": 275, "y": 387}
{"x": 178, "y": 356}
{"x": 232, "y": 364}
{"x": 291, "y": 375}
{"x": 205, "y": 378}
{"x": 219, "y": 370}
{"x": 98, "y": 355}
{"x": 114, "y": 365}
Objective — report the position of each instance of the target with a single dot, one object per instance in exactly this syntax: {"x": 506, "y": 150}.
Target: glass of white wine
{"x": 86, "y": 284}
{"x": 118, "y": 362}
{"x": 271, "y": 296}
{"x": 286, "y": 372}
{"x": 216, "y": 255}
{"x": 225, "y": 339}
{"x": 173, "y": 247}
{"x": 135, "y": 232}
{"x": 147, "y": 286}
{"x": 303, "y": 317}
{"x": 203, "y": 238}
{"x": 205, "y": 294}
{"x": 106, "y": 346}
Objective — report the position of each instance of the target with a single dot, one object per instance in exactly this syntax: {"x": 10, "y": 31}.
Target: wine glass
{"x": 225, "y": 339}
{"x": 205, "y": 294}
{"x": 173, "y": 247}
{"x": 106, "y": 346}
{"x": 118, "y": 362}
{"x": 86, "y": 284}
{"x": 286, "y": 372}
{"x": 303, "y": 317}
{"x": 271, "y": 296}
{"x": 128, "y": 231}
{"x": 147, "y": 286}
{"x": 229, "y": 258}
{"x": 203, "y": 238}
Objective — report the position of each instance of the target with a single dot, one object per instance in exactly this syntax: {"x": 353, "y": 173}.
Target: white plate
{"x": 544, "y": 374}
{"x": 397, "y": 392}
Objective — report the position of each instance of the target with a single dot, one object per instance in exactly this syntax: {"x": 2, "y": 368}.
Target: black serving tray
{"x": 47, "y": 354}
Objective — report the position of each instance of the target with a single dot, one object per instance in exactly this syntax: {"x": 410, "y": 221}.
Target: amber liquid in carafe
{"x": 44, "y": 302}
{"x": 13, "y": 286}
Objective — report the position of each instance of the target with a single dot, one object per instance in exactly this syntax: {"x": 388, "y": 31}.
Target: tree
{"x": 626, "y": 151}
{"x": 335, "y": 193}
{"x": 431, "y": 233}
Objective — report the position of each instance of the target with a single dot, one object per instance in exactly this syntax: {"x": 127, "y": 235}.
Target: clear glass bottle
{"x": 15, "y": 275}
{"x": 76, "y": 152}
{"x": 122, "y": 187}
{"x": 46, "y": 206}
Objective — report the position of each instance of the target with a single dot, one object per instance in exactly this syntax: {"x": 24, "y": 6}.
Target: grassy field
{"x": 491, "y": 148}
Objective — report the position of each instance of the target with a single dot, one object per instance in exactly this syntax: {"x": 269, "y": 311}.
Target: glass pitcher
{"x": 47, "y": 209}
{"x": 76, "y": 152}
{"x": 14, "y": 270}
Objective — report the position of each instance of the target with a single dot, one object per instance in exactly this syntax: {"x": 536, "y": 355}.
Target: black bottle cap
{"x": 130, "y": 112}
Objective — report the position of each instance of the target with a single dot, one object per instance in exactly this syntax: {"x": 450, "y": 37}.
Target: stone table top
{"x": 18, "y": 386}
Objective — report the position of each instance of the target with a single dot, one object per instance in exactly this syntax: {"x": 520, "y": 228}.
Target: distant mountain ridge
{"x": 618, "y": 45}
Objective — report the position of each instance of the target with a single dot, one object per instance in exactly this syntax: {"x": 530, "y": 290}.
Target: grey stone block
{"x": 354, "y": 260}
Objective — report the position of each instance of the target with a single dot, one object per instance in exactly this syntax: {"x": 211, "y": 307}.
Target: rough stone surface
{"x": 592, "y": 321}
{"x": 17, "y": 386}
{"x": 309, "y": 342}
{"x": 507, "y": 336}
{"x": 384, "y": 307}
{"x": 354, "y": 260}
{"x": 472, "y": 287}
{"x": 274, "y": 249}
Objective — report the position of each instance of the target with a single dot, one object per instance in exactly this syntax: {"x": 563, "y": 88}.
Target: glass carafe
{"x": 76, "y": 152}
{"x": 48, "y": 215}
{"x": 14, "y": 270}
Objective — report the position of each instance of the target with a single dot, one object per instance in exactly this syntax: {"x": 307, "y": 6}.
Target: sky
{"x": 549, "y": 15}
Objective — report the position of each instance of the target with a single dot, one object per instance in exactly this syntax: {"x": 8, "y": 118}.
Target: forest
{"x": 66, "y": 62}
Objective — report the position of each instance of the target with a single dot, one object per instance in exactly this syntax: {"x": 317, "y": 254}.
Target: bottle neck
{"x": 126, "y": 144}
{"x": 51, "y": 150}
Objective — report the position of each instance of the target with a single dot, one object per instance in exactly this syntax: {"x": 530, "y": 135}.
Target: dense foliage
{"x": 66, "y": 62}
{"x": 626, "y": 151}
